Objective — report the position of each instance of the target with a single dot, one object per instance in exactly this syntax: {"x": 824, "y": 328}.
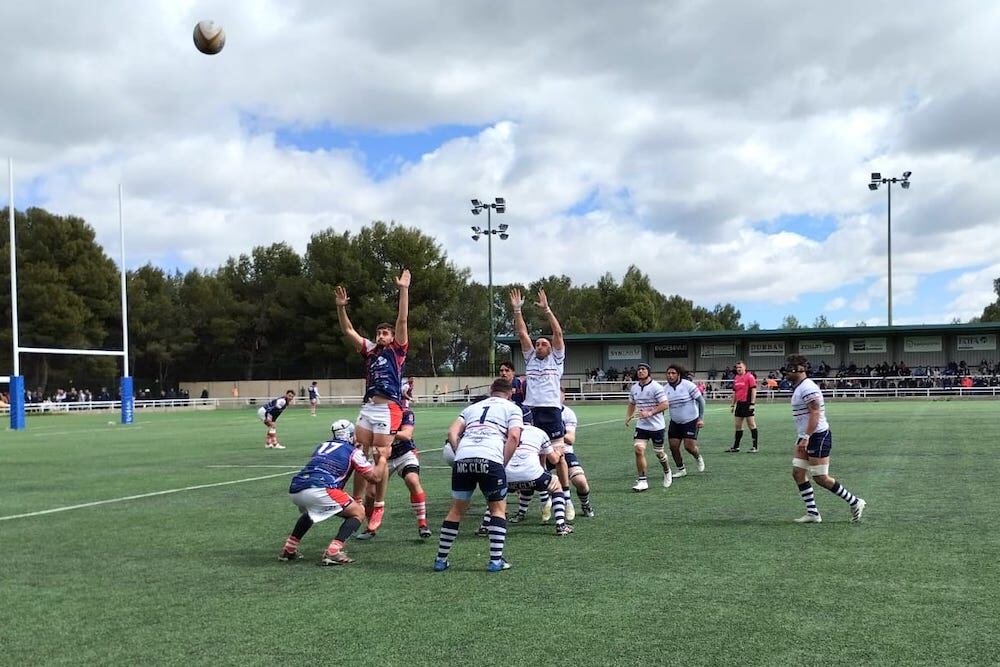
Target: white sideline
{"x": 141, "y": 495}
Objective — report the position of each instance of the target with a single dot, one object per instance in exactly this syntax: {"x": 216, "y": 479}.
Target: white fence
{"x": 763, "y": 395}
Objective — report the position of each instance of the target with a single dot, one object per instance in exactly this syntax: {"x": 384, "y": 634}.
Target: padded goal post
{"x": 17, "y": 407}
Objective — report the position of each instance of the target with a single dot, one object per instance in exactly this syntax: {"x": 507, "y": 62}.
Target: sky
{"x": 726, "y": 153}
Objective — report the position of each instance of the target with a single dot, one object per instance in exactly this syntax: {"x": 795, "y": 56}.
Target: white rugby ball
{"x": 448, "y": 454}
{"x": 209, "y": 38}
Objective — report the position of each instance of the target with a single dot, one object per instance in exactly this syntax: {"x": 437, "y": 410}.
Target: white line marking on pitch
{"x": 141, "y": 495}
{"x": 252, "y": 466}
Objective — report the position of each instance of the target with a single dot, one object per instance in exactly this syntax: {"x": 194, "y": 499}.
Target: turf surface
{"x": 711, "y": 571}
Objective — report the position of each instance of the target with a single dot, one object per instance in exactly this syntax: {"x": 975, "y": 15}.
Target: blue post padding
{"x": 128, "y": 401}
{"x": 17, "y": 403}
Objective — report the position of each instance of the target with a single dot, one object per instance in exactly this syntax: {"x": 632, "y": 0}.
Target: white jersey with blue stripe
{"x": 486, "y": 426}
{"x": 683, "y": 400}
{"x": 807, "y": 392}
{"x": 647, "y": 397}
{"x": 543, "y": 378}
{"x": 569, "y": 425}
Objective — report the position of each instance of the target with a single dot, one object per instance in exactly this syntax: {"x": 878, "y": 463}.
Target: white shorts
{"x": 321, "y": 503}
{"x": 313, "y": 401}
{"x": 400, "y": 462}
{"x": 380, "y": 418}
{"x": 262, "y": 415}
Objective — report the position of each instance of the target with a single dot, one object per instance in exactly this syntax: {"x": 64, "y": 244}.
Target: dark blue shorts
{"x": 539, "y": 484}
{"x": 820, "y": 445}
{"x": 685, "y": 431}
{"x": 571, "y": 460}
{"x": 489, "y": 476}
{"x": 526, "y": 415}
{"x": 655, "y": 436}
{"x": 549, "y": 420}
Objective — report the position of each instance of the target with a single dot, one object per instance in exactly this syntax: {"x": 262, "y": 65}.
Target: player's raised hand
{"x": 516, "y": 300}
{"x": 341, "y": 294}
{"x": 543, "y": 301}
{"x": 404, "y": 279}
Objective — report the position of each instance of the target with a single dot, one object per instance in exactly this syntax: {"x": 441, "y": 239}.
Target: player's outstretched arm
{"x": 345, "y": 322}
{"x": 403, "y": 282}
{"x": 557, "y": 332}
{"x": 517, "y": 302}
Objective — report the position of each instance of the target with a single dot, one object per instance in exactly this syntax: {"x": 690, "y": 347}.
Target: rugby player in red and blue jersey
{"x": 318, "y": 491}
{"x": 382, "y": 410}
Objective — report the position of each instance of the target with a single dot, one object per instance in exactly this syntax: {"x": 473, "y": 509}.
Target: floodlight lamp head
{"x": 500, "y": 201}
{"x": 476, "y": 203}
{"x": 876, "y": 176}
{"x": 503, "y": 226}
{"x": 873, "y": 186}
{"x": 906, "y": 174}
{"x": 501, "y": 209}
{"x": 504, "y": 236}
{"x": 906, "y": 185}
{"x": 476, "y": 211}
{"x": 475, "y": 229}
{"x": 475, "y": 237}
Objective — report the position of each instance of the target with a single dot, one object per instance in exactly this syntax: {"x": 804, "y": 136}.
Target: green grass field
{"x": 711, "y": 571}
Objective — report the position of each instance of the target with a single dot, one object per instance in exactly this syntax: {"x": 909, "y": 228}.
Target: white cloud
{"x": 834, "y": 304}
{"x": 686, "y": 152}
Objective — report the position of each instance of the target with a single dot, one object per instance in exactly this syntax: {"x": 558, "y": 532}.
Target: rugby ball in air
{"x": 209, "y": 38}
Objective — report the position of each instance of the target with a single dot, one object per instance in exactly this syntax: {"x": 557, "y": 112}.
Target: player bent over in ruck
{"x": 526, "y": 472}
{"x": 318, "y": 491}
{"x": 483, "y": 438}
{"x": 812, "y": 449}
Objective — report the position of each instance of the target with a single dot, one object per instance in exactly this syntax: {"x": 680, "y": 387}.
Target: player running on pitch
{"x": 687, "y": 416}
{"x": 812, "y": 449}
{"x": 648, "y": 398}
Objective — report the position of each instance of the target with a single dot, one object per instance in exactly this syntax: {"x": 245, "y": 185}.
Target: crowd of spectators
{"x": 898, "y": 375}
{"x": 79, "y": 399}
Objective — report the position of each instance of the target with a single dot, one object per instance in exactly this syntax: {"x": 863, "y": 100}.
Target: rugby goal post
{"x": 16, "y": 381}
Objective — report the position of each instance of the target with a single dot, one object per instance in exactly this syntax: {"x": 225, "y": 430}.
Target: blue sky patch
{"x": 383, "y": 154}
{"x": 815, "y": 227}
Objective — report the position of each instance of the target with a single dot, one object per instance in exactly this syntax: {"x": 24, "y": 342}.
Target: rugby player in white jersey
{"x": 812, "y": 448}
{"x": 543, "y": 370}
{"x": 647, "y": 398}
{"x": 483, "y": 438}
{"x": 575, "y": 477}
{"x": 687, "y": 415}
{"x": 526, "y": 472}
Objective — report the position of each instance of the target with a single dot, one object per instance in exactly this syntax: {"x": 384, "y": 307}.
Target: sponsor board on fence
{"x": 922, "y": 344}
{"x": 718, "y": 349}
{"x": 867, "y": 345}
{"x": 767, "y": 348}
{"x": 980, "y": 342}
{"x": 670, "y": 350}
{"x": 624, "y": 352}
{"x": 817, "y": 348}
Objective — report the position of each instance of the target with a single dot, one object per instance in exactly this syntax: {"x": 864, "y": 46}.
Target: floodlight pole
{"x": 501, "y": 206}
{"x": 876, "y": 181}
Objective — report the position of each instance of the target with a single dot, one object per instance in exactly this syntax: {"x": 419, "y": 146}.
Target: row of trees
{"x": 271, "y": 313}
